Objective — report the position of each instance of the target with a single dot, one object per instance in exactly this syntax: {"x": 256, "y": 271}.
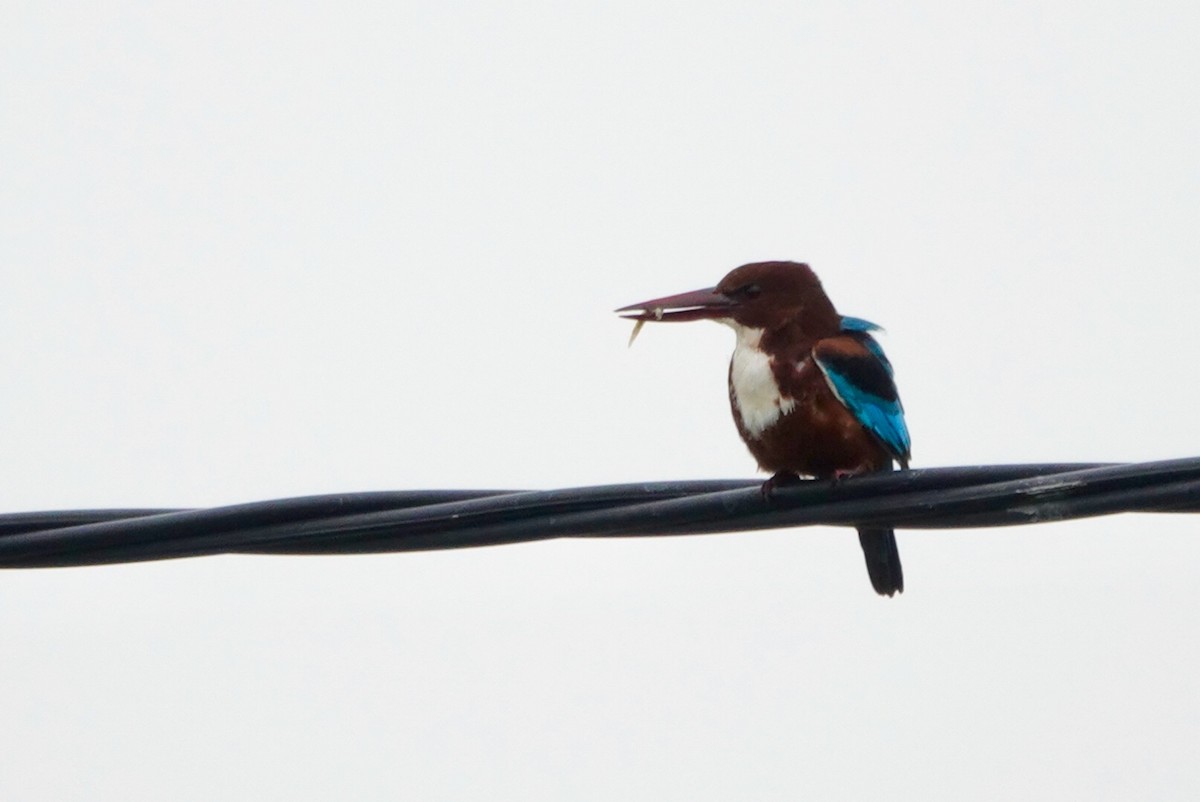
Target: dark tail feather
{"x": 883, "y": 560}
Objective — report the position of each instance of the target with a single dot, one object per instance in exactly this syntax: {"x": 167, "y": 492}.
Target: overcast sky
{"x": 251, "y": 251}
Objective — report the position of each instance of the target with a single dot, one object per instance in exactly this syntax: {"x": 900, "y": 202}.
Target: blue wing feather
{"x": 851, "y": 323}
{"x": 877, "y": 349}
{"x": 864, "y": 384}
{"x": 860, "y": 325}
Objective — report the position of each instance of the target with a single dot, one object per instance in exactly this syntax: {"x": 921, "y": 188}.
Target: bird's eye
{"x": 745, "y": 292}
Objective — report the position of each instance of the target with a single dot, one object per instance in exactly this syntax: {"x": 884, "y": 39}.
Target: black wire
{"x": 357, "y": 523}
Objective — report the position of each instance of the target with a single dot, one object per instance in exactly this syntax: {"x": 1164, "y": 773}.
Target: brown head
{"x": 773, "y": 296}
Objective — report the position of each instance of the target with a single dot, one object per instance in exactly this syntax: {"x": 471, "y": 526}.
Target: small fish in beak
{"x": 637, "y": 326}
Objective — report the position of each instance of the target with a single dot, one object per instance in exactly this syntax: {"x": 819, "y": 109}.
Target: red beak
{"x": 706, "y": 304}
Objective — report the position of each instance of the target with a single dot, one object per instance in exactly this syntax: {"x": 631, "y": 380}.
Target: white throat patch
{"x": 755, "y": 392}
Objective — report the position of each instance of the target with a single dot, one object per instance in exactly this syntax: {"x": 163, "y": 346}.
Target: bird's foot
{"x": 842, "y": 474}
{"x": 780, "y": 479}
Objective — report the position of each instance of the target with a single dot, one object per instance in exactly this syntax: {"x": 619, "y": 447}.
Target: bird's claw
{"x": 781, "y": 479}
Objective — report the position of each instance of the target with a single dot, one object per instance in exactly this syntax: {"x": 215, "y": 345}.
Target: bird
{"x": 811, "y": 391}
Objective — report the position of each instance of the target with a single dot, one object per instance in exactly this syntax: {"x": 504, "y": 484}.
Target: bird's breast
{"x": 754, "y": 391}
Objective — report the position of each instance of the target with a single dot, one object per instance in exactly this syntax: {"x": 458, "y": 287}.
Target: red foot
{"x": 842, "y": 474}
{"x": 781, "y": 479}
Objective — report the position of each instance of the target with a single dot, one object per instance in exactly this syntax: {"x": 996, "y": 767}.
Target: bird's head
{"x": 767, "y": 296}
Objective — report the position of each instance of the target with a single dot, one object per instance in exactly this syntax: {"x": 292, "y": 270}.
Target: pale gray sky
{"x": 254, "y": 250}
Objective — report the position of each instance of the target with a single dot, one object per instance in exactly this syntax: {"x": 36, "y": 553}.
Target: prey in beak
{"x": 706, "y": 304}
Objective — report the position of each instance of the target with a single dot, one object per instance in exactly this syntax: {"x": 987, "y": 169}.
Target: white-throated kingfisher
{"x": 811, "y": 391}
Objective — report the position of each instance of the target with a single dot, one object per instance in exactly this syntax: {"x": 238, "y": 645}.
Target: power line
{"x": 359, "y": 523}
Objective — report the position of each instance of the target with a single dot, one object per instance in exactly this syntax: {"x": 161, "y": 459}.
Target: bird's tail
{"x": 883, "y": 560}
